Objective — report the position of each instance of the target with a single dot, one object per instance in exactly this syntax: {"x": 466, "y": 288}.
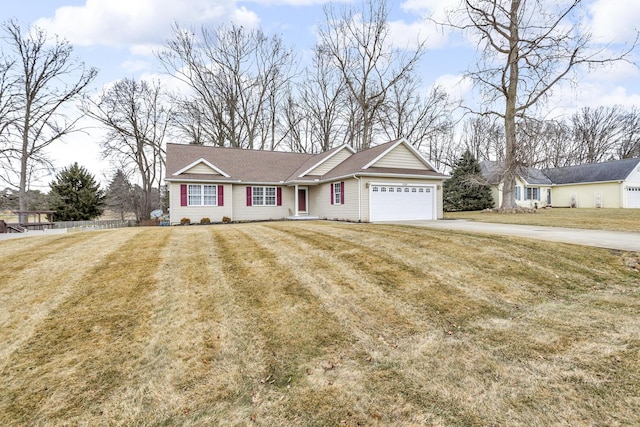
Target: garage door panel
{"x": 633, "y": 197}
{"x": 397, "y": 203}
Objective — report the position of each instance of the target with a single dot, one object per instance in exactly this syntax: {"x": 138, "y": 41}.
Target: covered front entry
{"x": 390, "y": 202}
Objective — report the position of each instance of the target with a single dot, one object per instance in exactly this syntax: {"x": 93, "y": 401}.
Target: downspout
{"x": 359, "y": 199}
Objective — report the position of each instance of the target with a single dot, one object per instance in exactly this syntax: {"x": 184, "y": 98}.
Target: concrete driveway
{"x": 625, "y": 241}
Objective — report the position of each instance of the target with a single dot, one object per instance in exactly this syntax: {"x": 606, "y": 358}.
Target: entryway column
{"x": 296, "y": 201}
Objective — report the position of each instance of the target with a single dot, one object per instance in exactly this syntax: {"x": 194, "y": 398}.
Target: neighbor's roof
{"x": 492, "y": 171}
{"x": 616, "y": 170}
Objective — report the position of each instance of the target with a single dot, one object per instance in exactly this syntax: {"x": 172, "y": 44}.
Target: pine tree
{"x": 75, "y": 195}
{"x": 120, "y": 197}
{"x": 467, "y": 190}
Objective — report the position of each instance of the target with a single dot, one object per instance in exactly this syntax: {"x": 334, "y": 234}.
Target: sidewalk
{"x": 621, "y": 240}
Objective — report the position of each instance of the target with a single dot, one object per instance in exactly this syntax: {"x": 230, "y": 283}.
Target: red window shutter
{"x": 342, "y": 192}
{"x": 220, "y": 195}
{"x": 331, "y": 192}
{"x": 183, "y": 194}
{"x": 249, "y": 199}
{"x": 279, "y": 195}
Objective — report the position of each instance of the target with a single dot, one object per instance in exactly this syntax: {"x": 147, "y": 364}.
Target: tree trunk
{"x": 510, "y": 158}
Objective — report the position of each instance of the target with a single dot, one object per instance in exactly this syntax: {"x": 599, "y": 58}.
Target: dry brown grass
{"x": 592, "y": 219}
{"x": 316, "y": 324}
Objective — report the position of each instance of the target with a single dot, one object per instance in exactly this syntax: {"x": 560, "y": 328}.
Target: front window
{"x": 202, "y": 195}
{"x": 518, "y": 191}
{"x": 337, "y": 194}
{"x": 264, "y": 196}
{"x": 532, "y": 193}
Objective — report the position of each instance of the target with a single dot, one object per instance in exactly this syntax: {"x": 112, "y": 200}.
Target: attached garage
{"x": 401, "y": 202}
{"x": 633, "y": 197}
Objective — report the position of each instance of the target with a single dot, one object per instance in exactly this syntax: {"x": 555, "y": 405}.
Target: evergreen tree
{"x": 120, "y": 197}
{"x": 467, "y": 190}
{"x": 75, "y": 195}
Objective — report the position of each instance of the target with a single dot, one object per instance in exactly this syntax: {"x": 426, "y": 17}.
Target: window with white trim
{"x": 337, "y": 193}
{"x": 264, "y": 196}
{"x": 202, "y": 195}
{"x": 532, "y": 193}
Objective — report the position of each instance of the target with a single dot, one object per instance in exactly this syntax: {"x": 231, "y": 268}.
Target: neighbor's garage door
{"x": 633, "y": 197}
{"x": 397, "y": 203}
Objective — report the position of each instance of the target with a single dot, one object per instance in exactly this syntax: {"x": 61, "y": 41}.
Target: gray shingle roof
{"x": 492, "y": 171}
{"x": 616, "y": 170}
{"x": 273, "y": 166}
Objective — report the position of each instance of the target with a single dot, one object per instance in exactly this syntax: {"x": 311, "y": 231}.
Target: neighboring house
{"x": 391, "y": 181}
{"x": 533, "y": 188}
{"x": 613, "y": 184}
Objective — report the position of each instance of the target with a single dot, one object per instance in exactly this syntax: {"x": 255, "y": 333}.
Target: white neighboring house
{"x": 389, "y": 182}
{"x": 613, "y": 184}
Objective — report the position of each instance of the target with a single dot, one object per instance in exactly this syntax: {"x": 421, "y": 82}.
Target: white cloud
{"x": 139, "y": 22}
{"x": 456, "y": 85}
{"x": 409, "y": 34}
{"x": 615, "y": 20}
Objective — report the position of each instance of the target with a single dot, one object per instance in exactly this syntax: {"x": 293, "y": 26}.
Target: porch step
{"x": 303, "y": 217}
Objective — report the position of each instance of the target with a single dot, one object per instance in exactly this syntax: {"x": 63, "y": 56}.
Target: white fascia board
{"x": 197, "y": 162}
{"x": 344, "y": 146}
{"x": 221, "y": 181}
{"x": 385, "y": 175}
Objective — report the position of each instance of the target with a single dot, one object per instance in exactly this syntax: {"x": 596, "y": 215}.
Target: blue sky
{"x": 119, "y": 37}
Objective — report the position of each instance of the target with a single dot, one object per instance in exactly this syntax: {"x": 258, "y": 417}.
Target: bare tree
{"x": 420, "y": 119}
{"x": 237, "y": 77}
{"x": 597, "y": 133}
{"x": 314, "y": 111}
{"x": 528, "y": 46}
{"x": 358, "y": 45}
{"x": 629, "y": 146}
{"x": 137, "y": 120}
{"x": 483, "y": 137}
{"x": 42, "y": 78}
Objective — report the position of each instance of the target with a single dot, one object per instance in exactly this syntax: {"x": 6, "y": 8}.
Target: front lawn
{"x": 595, "y": 219}
{"x": 315, "y": 323}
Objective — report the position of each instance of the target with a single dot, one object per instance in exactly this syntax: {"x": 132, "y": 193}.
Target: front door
{"x": 302, "y": 200}
{"x": 549, "y": 196}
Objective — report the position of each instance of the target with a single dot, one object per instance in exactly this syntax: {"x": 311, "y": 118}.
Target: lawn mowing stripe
{"x": 376, "y": 353}
{"x": 174, "y": 365}
{"x": 296, "y": 333}
{"x": 88, "y": 346}
{"x": 439, "y": 300}
{"x": 28, "y": 296}
{"x": 36, "y": 251}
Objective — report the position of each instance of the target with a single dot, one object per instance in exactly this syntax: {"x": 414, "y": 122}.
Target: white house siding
{"x": 331, "y": 163}
{"x": 497, "y": 194}
{"x": 585, "y": 195}
{"x": 196, "y": 213}
{"x": 242, "y": 212}
{"x": 400, "y": 157}
{"x": 320, "y": 201}
{"x": 202, "y": 169}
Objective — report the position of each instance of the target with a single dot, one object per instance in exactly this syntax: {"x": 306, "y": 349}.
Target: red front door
{"x": 302, "y": 200}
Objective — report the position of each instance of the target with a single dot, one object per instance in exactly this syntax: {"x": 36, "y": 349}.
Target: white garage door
{"x": 633, "y": 197}
{"x": 397, "y": 203}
